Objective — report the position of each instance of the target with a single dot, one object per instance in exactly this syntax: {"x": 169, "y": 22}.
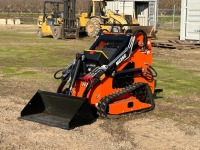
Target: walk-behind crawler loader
{"x": 112, "y": 78}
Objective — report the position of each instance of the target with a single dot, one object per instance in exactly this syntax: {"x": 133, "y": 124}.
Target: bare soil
{"x": 147, "y": 131}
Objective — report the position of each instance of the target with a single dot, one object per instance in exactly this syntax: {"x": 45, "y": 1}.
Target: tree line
{"x": 36, "y": 6}
{"x": 169, "y": 4}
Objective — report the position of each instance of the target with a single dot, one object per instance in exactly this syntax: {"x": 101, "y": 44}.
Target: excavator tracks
{"x": 140, "y": 90}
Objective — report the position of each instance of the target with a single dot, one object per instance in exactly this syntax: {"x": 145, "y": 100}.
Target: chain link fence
{"x": 29, "y": 12}
{"x": 25, "y": 10}
{"x": 169, "y": 18}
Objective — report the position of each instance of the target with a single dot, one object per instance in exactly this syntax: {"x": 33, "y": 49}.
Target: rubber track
{"x": 104, "y": 102}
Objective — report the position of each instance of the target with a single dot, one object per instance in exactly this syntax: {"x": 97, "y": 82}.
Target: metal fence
{"x": 29, "y": 10}
{"x": 167, "y": 18}
{"x": 25, "y": 18}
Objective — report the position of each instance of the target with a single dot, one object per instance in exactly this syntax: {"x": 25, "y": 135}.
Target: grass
{"x": 21, "y": 48}
{"x": 175, "y": 80}
{"x": 30, "y": 51}
{"x": 18, "y": 72}
{"x": 167, "y": 22}
{"x": 166, "y": 19}
{"x": 24, "y": 55}
{"x": 180, "y": 97}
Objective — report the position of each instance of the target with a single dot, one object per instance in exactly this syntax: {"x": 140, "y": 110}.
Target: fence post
{"x": 173, "y": 17}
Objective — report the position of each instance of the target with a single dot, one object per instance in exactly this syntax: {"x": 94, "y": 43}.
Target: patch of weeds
{"x": 175, "y": 80}
{"x": 27, "y": 74}
{"x": 14, "y": 71}
{"x": 11, "y": 70}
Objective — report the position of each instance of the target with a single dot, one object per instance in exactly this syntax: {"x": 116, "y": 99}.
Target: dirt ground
{"x": 144, "y": 131}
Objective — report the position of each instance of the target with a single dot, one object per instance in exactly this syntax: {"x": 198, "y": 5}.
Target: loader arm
{"x": 117, "y": 17}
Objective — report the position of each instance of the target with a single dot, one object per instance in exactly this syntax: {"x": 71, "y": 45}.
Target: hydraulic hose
{"x": 145, "y": 37}
{"x": 58, "y": 71}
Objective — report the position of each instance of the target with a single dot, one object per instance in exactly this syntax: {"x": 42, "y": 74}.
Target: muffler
{"x": 58, "y": 110}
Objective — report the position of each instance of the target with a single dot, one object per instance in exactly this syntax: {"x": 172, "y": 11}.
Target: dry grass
{"x": 28, "y": 64}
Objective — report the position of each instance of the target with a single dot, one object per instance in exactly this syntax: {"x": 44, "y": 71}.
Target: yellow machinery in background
{"x": 62, "y": 23}
{"x": 98, "y": 18}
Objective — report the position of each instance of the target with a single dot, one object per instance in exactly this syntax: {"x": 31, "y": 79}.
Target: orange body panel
{"x": 142, "y": 59}
{"x": 127, "y": 105}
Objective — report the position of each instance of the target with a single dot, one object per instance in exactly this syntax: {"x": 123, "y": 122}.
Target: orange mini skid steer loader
{"x": 113, "y": 77}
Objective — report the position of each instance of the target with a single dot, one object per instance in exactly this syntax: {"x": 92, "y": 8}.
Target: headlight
{"x": 40, "y": 22}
